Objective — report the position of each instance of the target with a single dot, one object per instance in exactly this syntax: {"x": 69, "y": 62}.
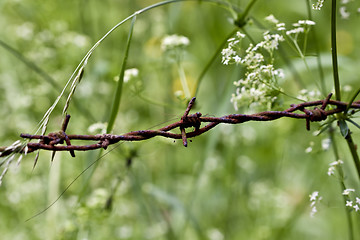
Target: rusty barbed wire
{"x": 52, "y": 141}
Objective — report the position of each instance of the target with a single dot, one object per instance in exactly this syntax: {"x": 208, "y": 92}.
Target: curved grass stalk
{"x": 74, "y": 80}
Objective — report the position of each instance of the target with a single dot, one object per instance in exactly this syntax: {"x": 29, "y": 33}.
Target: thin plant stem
{"x": 334, "y": 51}
{"x": 341, "y": 181}
{"x": 354, "y": 153}
{"x": 317, "y": 51}
{"x": 240, "y": 22}
{"x": 116, "y": 103}
{"x": 73, "y": 80}
{"x": 183, "y": 81}
{"x": 211, "y": 61}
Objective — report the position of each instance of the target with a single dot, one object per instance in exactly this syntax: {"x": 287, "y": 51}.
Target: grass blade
{"x": 352, "y": 100}
{"x": 118, "y": 93}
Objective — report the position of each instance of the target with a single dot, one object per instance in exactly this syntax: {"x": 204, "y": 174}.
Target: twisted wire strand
{"x": 303, "y": 110}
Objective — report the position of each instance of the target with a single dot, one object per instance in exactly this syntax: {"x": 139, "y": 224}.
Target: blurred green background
{"x": 248, "y": 181}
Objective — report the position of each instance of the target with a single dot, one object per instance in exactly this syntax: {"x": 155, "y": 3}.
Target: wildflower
{"x": 174, "y": 41}
{"x": 325, "y": 144}
{"x": 357, "y": 200}
{"x": 307, "y": 95}
{"x": 310, "y": 148}
{"x": 280, "y": 26}
{"x": 335, "y": 163}
{"x": 314, "y": 195}
{"x": 313, "y": 211}
{"x": 257, "y": 88}
{"x": 272, "y": 19}
{"x": 130, "y": 74}
{"x": 314, "y": 198}
{"x": 331, "y": 171}
{"x": 356, "y": 207}
{"x": 347, "y": 88}
{"x": 98, "y": 127}
{"x": 344, "y": 13}
{"x": 318, "y": 5}
{"x": 346, "y": 192}
{"x": 349, "y": 203}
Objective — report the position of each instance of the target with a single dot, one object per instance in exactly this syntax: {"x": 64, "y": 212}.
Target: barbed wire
{"x": 312, "y": 111}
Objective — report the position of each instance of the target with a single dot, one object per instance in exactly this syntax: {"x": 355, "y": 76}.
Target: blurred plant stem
{"x": 334, "y": 51}
{"x": 354, "y": 153}
{"x": 241, "y": 20}
{"x": 341, "y": 181}
{"x": 183, "y": 81}
{"x": 317, "y": 51}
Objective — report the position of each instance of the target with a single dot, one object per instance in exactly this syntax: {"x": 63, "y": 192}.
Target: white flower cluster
{"x": 300, "y": 27}
{"x": 355, "y": 205}
{"x": 130, "y": 74}
{"x": 318, "y": 5}
{"x": 174, "y": 41}
{"x": 314, "y": 198}
{"x": 332, "y": 167}
{"x": 307, "y": 95}
{"x": 259, "y": 87}
{"x": 98, "y": 127}
{"x": 292, "y": 35}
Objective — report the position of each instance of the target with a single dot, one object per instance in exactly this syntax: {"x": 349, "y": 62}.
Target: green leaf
{"x": 344, "y": 129}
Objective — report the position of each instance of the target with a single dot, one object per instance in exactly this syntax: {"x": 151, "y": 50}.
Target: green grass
{"x": 247, "y": 181}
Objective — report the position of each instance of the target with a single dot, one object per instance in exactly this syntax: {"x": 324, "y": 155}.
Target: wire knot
{"x": 187, "y": 121}
{"x": 316, "y": 114}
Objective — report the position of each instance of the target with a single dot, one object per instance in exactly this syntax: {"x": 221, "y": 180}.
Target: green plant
{"x": 163, "y": 192}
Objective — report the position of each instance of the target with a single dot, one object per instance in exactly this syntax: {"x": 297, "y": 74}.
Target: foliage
{"x": 250, "y": 181}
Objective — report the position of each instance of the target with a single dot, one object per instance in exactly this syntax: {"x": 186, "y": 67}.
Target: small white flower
{"x": 318, "y": 5}
{"x": 309, "y": 22}
{"x": 335, "y": 163}
{"x": 349, "y": 203}
{"x": 313, "y": 211}
{"x": 98, "y": 128}
{"x": 347, "y": 88}
{"x": 240, "y": 35}
{"x": 314, "y": 195}
{"x": 344, "y": 13}
{"x": 271, "y": 19}
{"x": 325, "y": 144}
{"x": 309, "y": 149}
{"x": 130, "y": 74}
{"x": 331, "y": 171}
{"x": 237, "y": 59}
{"x": 356, "y": 207}
{"x": 347, "y": 191}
